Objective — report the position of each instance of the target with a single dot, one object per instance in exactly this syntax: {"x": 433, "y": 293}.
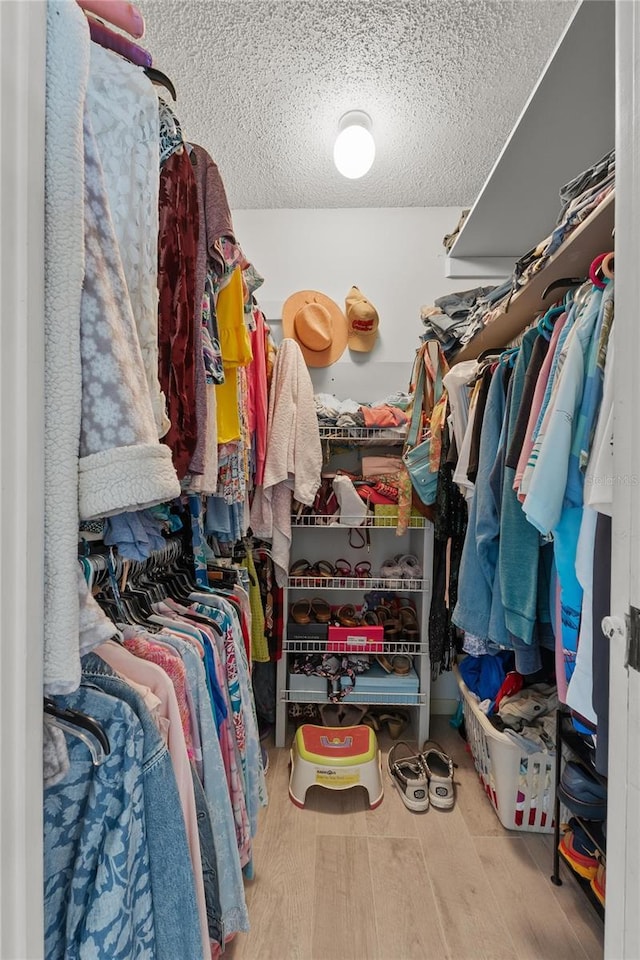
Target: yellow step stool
{"x": 336, "y": 758}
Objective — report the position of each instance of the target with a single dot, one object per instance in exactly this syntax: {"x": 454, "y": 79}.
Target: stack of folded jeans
{"x": 455, "y": 318}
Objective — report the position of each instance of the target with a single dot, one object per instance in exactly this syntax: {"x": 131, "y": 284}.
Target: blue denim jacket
{"x": 97, "y": 880}
{"x": 175, "y": 912}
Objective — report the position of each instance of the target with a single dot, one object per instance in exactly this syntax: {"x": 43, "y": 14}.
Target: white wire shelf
{"x": 357, "y": 583}
{"x": 380, "y": 699}
{"x": 391, "y": 647}
{"x": 335, "y": 522}
{"x": 386, "y": 435}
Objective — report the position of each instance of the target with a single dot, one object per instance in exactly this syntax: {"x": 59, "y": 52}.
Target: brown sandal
{"x": 301, "y": 568}
{"x": 409, "y": 623}
{"x": 301, "y": 611}
{"x": 322, "y": 569}
{"x": 401, "y": 664}
{"x": 347, "y": 616}
{"x": 390, "y": 624}
{"x": 321, "y": 610}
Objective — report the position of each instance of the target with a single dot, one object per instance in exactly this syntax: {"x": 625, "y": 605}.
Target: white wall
{"x": 395, "y": 256}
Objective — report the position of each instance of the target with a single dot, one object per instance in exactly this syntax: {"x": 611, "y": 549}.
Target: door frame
{"x": 22, "y": 108}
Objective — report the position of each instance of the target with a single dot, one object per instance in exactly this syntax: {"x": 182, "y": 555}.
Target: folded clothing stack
{"x": 454, "y": 319}
{"x": 579, "y": 198}
{"x": 388, "y": 413}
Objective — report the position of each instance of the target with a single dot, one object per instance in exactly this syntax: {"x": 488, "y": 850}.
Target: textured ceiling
{"x": 262, "y": 85}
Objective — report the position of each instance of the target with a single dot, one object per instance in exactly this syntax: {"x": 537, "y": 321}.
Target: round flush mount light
{"x": 355, "y": 149}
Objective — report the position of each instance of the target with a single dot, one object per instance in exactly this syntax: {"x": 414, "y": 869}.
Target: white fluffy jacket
{"x": 293, "y": 464}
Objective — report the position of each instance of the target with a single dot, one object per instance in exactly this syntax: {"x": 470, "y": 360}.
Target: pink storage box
{"x": 361, "y": 639}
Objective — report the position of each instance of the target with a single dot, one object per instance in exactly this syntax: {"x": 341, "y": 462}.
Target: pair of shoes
{"x": 400, "y": 664}
{"x": 423, "y": 778}
{"x": 320, "y": 570}
{"x": 402, "y": 567}
{"x": 316, "y": 610}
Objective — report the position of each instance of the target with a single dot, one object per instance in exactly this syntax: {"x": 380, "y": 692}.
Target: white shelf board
{"x": 567, "y": 124}
{"x": 572, "y": 259}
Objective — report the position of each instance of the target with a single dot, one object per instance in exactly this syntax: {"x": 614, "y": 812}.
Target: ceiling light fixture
{"x": 355, "y": 149}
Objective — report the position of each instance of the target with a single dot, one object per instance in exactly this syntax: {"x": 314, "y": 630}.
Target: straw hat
{"x": 363, "y": 321}
{"x": 317, "y": 324}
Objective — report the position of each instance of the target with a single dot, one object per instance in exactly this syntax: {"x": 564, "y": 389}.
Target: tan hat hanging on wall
{"x": 363, "y": 321}
{"x": 318, "y": 325}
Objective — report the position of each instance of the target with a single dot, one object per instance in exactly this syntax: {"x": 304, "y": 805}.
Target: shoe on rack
{"x": 401, "y": 664}
{"x": 392, "y": 572}
{"x": 407, "y": 773}
{"x": 579, "y": 851}
{"x": 598, "y": 883}
{"x": 301, "y": 611}
{"x": 438, "y": 767}
{"x": 410, "y": 567}
{"x": 321, "y": 610}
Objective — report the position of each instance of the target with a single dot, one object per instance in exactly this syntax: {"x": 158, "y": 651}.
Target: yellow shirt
{"x": 235, "y": 346}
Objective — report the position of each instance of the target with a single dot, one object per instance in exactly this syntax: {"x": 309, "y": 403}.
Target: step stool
{"x": 336, "y": 758}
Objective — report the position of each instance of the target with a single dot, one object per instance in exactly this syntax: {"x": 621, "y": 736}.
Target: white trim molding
{"x": 622, "y": 929}
{"x": 22, "y": 105}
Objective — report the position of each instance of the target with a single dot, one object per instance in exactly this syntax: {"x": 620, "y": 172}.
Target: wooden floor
{"x": 337, "y": 881}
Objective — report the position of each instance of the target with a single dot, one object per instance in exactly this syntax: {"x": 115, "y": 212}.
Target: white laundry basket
{"x": 521, "y": 787}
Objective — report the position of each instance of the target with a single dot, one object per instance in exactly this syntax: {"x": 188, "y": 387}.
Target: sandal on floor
{"x": 301, "y": 611}
{"x": 351, "y": 714}
{"x": 320, "y": 609}
{"x": 439, "y": 769}
{"x": 407, "y": 773}
{"x": 396, "y": 722}
{"x": 330, "y": 714}
{"x": 370, "y": 720}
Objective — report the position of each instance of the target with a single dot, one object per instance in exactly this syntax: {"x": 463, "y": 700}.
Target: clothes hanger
{"x": 562, "y": 282}
{"x": 599, "y": 280}
{"x": 82, "y": 726}
{"x": 546, "y": 322}
{"x": 121, "y": 14}
{"x": 161, "y": 79}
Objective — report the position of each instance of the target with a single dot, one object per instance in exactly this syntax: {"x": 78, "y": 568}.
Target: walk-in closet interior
{"x": 320, "y": 588}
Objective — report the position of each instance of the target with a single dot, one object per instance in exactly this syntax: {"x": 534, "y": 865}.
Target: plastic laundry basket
{"x": 521, "y": 787}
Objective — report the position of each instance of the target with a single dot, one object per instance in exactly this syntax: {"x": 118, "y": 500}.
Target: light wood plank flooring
{"x": 337, "y": 881}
